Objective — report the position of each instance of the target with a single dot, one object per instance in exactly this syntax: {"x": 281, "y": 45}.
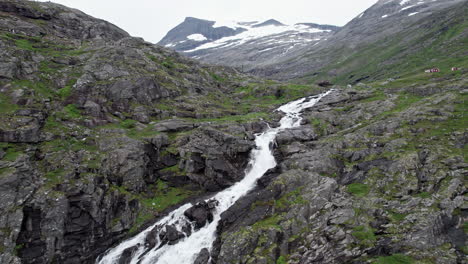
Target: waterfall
{"x": 187, "y": 248}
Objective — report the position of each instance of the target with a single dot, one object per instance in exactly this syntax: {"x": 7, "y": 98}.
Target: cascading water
{"x": 186, "y": 250}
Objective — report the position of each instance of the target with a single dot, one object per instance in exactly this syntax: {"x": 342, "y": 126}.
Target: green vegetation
{"x": 6, "y": 107}
{"x": 217, "y": 77}
{"x": 397, "y": 217}
{"x": 72, "y": 111}
{"x": 12, "y": 151}
{"x": 365, "y": 235}
{"x": 67, "y": 90}
{"x": 6, "y": 171}
{"x": 54, "y": 177}
{"x": 395, "y": 259}
{"x": 166, "y": 196}
{"x": 399, "y": 56}
{"x": 319, "y": 126}
{"x": 423, "y": 195}
{"x": 40, "y": 87}
{"x": 162, "y": 196}
{"x": 128, "y": 123}
{"x": 281, "y": 260}
{"x": 269, "y": 222}
{"x": 358, "y": 189}
{"x": 290, "y": 199}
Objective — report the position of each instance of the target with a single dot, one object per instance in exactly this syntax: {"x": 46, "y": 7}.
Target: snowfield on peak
{"x": 252, "y": 33}
{"x": 243, "y": 44}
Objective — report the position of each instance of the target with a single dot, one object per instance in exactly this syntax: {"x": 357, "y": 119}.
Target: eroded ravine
{"x": 194, "y": 240}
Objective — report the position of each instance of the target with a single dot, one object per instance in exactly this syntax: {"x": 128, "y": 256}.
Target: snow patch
{"x": 412, "y": 14}
{"x": 384, "y": 16}
{"x": 408, "y": 7}
{"x": 360, "y": 16}
{"x": 403, "y": 2}
{"x": 253, "y": 33}
{"x": 197, "y": 37}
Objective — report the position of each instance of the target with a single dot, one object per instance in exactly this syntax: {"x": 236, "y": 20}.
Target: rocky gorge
{"x": 103, "y": 134}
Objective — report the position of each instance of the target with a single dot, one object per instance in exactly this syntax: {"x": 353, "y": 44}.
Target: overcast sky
{"x": 152, "y": 19}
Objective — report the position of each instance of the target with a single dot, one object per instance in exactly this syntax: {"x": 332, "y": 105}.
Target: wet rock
{"x": 151, "y": 238}
{"x": 203, "y": 257}
{"x": 127, "y": 255}
{"x": 170, "y": 235}
{"x": 201, "y": 213}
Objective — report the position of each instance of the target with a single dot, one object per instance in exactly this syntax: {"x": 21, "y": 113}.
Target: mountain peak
{"x": 269, "y": 22}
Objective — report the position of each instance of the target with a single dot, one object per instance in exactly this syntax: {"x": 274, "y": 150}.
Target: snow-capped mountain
{"x": 243, "y": 44}
{"x": 388, "y": 23}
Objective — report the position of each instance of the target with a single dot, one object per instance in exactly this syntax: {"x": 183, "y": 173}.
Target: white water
{"x": 186, "y": 250}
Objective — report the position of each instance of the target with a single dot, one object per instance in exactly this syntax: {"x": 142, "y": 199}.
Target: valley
{"x": 103, "y": 136}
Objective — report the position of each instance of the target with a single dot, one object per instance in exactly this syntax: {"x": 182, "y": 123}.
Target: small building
{"x": 455, "y": 69}
{"x": 432, "y": 70}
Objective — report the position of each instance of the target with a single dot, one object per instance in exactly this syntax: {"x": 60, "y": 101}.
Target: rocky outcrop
{"x": 85, "y": 158}
{"x": 213, "y": 159}
{"x": 350, "y": 194}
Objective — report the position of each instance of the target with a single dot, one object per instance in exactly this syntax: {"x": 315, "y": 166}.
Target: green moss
{"x": 6, "y": 107}
{"x": 142, "y": 217}
{"x": 5, "y": 171}
{"x": 269, "y": 222}
{"x": 54, "y": 177}
{"x": 72, "y": 111}
{"x": 319, "y": 126}
{"x": 128, "y": 123}
{"x": 395, "y": 259}
{"x": 423, "y": 195}
{"x": 67, "y": 90}
{"x": 365, "y": 235}
{"x": 397, "y": 217}
{"x": 289, "y": 199}
{"x": 38, "y": 86}
{"x": 358, "y": 189}
{"x": 12, "y": 151}
{"x": 378, "y": 96}
{"x": 217, "y": 78}
{"x": 281, "y": 260}
{"x": 175, "y": 169}
{"x": 165, "y": 196}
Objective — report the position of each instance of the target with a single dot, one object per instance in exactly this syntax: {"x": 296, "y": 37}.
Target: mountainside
{"x": 103, "y": 134}
{"x": 390, "y": 39}
{"x": 246, "y": 45}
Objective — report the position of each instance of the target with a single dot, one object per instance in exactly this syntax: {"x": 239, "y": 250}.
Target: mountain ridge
{"x": 245, "y": 45}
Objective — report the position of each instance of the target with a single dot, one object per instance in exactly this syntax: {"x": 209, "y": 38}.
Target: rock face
{"x": 213, "y": 159}
{"x": 85, "y": 156}
{"x": 246, "y": 45}
{"x": 354, "y": 193}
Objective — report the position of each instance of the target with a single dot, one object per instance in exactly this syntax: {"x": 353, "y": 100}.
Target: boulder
{"x": 201, "y": 213}
{"x": 170, "y": 235}
{"x": 203, "y": 257}
{"x": 173, "y": 125}
{"x": 127, "y": 254}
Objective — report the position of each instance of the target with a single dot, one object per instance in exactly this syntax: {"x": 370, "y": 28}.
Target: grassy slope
{"x": 438, "y": 41}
